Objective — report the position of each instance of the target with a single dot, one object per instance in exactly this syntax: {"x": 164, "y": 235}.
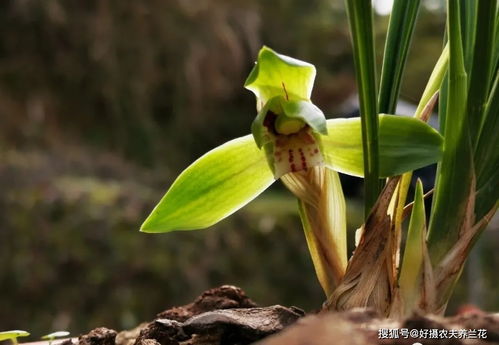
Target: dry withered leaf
{"x": 370, "y": 276}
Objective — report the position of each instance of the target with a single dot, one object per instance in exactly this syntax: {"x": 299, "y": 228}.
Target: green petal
{"x": 212, "y": 188}
{"x": 405, "y": 144}
{"x": 279, "y": 75}
{"x": 308, "y": 113}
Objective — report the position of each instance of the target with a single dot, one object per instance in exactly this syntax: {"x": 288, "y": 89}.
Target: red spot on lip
{"x": 293, "y": 167}
{"x": 302, "y": 155}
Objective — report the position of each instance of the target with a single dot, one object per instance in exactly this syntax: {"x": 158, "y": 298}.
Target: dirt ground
{"x": 226, "y": 316}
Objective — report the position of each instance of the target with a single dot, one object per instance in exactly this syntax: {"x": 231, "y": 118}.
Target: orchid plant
{"x": 292, "y": 141}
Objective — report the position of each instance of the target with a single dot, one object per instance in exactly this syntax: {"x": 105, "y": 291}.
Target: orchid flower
{"x": 292, "y": 140}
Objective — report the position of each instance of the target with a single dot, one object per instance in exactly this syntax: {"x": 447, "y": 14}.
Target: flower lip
{"x": 295, "y": 152}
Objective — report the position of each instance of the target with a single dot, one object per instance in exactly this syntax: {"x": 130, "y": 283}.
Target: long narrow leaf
{"x": 487, "y": 156}
{"x": 361, "y": 28}
{"x": 468, "y": 17}
{"x": 495, "y": 56}
{"x": 435, "y": 81}
{"x": 414, "y": 252}
{"x": 398, "y": 41}
{"x": 455, "y": 171}
{"x": 480, "y": 76}
{"x": 423, "y": 111}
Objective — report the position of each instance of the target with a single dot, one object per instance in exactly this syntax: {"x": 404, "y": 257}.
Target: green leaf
{"x": 415, "y": 247}
{"x": 455, "y": 173}
{"x": 468, "y": 16}
{"x": 361, "y": 27}
{"x": 487, "y": 156}
{"x": 212, "y": 188}
{"x": 480, "y": 74}
{"x": 495, "y": 49}
{"x": 279, "y": 75}
{"x": 432, "y": 88}
{"x": 435, "y": 82}
{"x": 405, "y": 144}
{"x": 308, "y": 113}
{"x": 398, "y": 41}
{"x": 12, "y": 334}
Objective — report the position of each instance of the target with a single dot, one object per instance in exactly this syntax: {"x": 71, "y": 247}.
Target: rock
{"x": 242, "y": 325}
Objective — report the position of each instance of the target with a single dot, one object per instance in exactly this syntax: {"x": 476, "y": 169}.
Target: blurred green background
{"x": 104, "y": 102}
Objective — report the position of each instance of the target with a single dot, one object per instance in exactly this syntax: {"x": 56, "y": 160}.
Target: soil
{"x": 226, "y": 316}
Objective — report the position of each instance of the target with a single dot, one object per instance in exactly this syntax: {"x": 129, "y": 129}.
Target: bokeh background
{"x": 104, "y": 102}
